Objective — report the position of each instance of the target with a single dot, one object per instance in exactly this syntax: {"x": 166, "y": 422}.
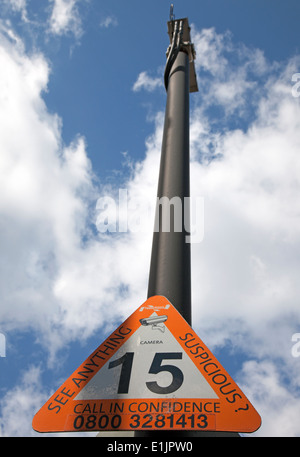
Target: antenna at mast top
{"x": 172, "y": 15}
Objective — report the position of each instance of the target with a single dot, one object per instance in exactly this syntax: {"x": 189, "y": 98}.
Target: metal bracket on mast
{"x": 180, "y": 39}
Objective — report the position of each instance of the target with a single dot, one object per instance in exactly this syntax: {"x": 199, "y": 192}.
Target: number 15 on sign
{"x": 157, "y": 366}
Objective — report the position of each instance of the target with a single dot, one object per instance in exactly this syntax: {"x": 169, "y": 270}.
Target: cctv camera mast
{"x": 153, "y": 376}
{"x": 170, "y": 270}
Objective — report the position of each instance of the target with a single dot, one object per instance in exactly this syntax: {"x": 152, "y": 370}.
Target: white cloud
{"x": 245, "y": 286}
{"x": 20, "y": 404}
{"x": 65, "y": 18}
{"x": 44, "y": 187}
{"x": 146, "y": 82}
{"x": 109, "y": 21}
{"x": 210, "y": 48}
{"x": 252, "y": 217}
{"x": 217, "y": 55}
{"x": 277, "y": 403}
{"x": 18, "y": 6}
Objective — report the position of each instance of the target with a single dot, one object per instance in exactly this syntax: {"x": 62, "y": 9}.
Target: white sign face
{"x": 151, "y": 364}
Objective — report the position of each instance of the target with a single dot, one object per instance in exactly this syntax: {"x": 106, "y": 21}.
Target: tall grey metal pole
{"x": 170, "y": 268}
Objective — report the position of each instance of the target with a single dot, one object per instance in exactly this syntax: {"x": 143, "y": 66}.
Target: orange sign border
{"x": 232, "y": 411}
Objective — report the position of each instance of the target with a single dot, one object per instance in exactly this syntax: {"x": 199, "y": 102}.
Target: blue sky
{"x": 81, "y": 114}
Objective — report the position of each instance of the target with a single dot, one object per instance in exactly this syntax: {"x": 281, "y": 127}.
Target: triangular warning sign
{"x": 152, "y": 373}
